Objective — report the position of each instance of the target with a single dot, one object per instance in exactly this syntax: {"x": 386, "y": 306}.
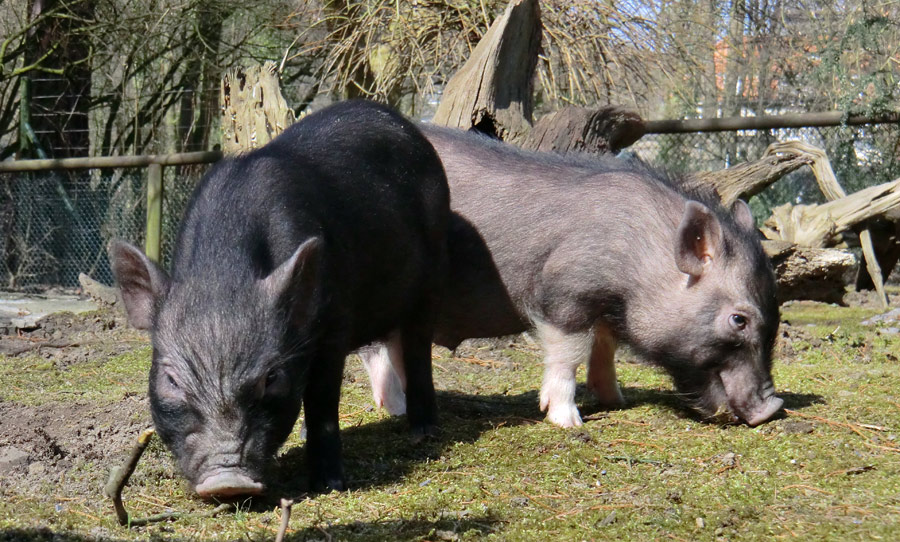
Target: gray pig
{"x": 289, "y": 257}
{"x": 591, "y": 253}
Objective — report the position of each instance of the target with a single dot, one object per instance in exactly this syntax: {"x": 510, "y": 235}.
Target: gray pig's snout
{"x": 771, "y": 407}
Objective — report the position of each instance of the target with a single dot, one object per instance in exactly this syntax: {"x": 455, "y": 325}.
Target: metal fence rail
{"x": 57, "y": 216}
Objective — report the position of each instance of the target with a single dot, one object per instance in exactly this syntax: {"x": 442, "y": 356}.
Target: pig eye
{"x": 738, "y": 321}
{"x": 171, "y": 381}
{"x": 271, "y": 378}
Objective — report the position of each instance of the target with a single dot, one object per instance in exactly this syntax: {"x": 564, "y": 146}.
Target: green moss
{"x": 34, "y": 381}
{"x": 651, "y": 471}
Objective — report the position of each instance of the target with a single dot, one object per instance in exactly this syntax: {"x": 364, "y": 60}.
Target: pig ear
{"x": 140, "y": 280}
{"x": 699, "y": 239}
{"x": 296, "y": 277}
{"x": 742, "y": 216}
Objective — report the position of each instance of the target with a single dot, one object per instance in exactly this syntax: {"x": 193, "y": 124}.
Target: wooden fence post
{"x": 154, "y": 212}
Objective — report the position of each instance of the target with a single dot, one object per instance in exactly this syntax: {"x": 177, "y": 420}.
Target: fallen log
{"x": 816, "y": 274}
{"x": 817, "y": 225}
{"x": 579, "y": 129}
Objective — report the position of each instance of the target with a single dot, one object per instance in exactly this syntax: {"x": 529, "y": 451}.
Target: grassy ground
{"x": 829, "y": 470}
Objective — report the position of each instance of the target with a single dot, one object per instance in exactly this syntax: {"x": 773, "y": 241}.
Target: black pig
{"x": 592, "y": 252}
{"x": 288, "y": 258}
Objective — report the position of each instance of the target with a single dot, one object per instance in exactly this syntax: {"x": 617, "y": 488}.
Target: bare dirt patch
{"x": 54, "y": 438}
{"x": 67, "y": 338}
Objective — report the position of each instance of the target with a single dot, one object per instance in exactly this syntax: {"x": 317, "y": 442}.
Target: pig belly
{"x": 476, "y": 302}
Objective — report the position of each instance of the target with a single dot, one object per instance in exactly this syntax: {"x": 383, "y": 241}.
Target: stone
{"x": 11, "y": 458}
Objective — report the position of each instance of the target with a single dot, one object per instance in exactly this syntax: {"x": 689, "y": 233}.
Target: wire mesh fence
{"x": 55, "y": 225}
{"x": 861, "y": 156}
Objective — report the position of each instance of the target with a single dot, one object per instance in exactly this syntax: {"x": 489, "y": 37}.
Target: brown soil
{"x": 51, "y": 444}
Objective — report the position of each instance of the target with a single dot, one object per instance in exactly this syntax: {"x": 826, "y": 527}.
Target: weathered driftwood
{"x": 744, "y": 181}
{"x": 818, "y": 225}
{"x": 816, "y": 274}
{"x": 840, "y": 213}
{"x": 885, "y": 231}
{"x": 493, "y": 90}
{"x": 253, "y": 109}
{"x": 580, "y": 129}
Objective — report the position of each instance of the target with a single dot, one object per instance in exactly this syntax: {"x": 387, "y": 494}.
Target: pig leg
{"x": 421, "y": 402}
{"x": 601, "y": 371}
{"x": 564, "y": 352}
{"x": 384, "y": 364}
{"x": 323, "y": 440}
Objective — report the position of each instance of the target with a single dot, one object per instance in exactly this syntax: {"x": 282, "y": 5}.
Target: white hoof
{"x": 564, "y": 416}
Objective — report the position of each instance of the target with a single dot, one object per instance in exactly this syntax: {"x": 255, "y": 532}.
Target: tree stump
{"x": 253, "y": 108}
{"x": 493, "y": 90}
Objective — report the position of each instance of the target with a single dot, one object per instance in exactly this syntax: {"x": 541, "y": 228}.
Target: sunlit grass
{"x": 829, "y": 470}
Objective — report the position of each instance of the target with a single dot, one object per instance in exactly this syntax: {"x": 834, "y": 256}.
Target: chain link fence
{"x": 55, "y": 225}
{"x": 861, "y": 156}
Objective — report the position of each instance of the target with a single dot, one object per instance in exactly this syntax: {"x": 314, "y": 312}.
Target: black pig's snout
{"x": 228, "y": 482}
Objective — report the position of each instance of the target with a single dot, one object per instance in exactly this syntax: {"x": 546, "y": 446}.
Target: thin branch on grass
{"x": 855, "y": 427}
{"x": 632, "y": 460}
{"x": 118, "y": 479}
{"x": 118, "y": 476}
{"x": 286, "y": 505}
{"x": 810, "y": 488}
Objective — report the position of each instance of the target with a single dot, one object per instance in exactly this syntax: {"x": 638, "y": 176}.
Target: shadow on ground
{"x": 381, "y": 453}
{"x": 399, "y": 530}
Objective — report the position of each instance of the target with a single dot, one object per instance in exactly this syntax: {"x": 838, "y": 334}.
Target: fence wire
{"x": 861, "y": 156}
{"x": 57, "y": 224}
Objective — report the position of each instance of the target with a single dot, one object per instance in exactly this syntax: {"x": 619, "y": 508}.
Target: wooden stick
{"x": 286, "y": 505}
{"x": 119, "y": 476}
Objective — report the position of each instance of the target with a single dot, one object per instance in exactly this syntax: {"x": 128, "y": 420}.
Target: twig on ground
{"x": 286, "y": 505}
{"x": 482, "y": 362}
{"x": 854, "y": 470}
{"x": 166, "y": 516}
{"x": 855, "y": 427}
{"x": 811, "y": 488}
{"x": 632, "y": 460}
{"x": 119, "y": 476}
{"x": 118, "y": 479}
{"x": 635, "y": 442}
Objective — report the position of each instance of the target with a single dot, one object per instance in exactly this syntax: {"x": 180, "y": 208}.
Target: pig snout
{"x": 765, "y": 411}
{"x": 228, "y": 482}
{"x": 752, "y": 401}
{"x": 224, "y": 475}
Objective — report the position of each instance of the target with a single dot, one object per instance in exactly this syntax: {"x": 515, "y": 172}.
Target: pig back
{"x": 513, "y": 210}
{"x": 358, "y": 176}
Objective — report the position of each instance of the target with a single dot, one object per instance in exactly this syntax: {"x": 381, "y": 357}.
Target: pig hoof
{"x": 327, "y": 486}
{"x": 395, "y": 404}
{"x": 564, "y": 416}
{"x": 608, "y": 398}
{"x": 420, "y": 434}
